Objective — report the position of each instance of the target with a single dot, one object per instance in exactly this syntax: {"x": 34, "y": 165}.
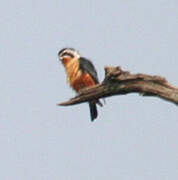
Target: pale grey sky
{"x": 134, "y": 137}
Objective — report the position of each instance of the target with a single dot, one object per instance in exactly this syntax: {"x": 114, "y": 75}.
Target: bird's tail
{"x": 93, "y": 110}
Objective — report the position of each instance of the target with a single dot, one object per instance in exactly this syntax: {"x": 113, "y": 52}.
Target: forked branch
{"x": 119, "y": 82}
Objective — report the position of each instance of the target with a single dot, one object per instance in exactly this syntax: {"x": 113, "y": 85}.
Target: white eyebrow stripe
{"x": 73, "y": 52}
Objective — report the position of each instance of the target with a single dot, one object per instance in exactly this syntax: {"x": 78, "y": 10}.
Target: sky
{"x": 134, "y": 137}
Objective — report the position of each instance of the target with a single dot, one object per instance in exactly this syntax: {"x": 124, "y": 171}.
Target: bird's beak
{"x": 60, "y": 57}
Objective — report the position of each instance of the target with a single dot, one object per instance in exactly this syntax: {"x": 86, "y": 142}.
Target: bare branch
{"x": 119, "y": 82}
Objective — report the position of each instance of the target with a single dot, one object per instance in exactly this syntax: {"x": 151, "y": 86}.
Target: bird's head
{"x": 67, "y": 54}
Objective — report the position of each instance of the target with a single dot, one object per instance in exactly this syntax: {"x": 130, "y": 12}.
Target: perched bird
{"x": 81, "y": 74}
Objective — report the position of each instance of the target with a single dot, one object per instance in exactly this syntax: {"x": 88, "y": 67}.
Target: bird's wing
{"x": 87, "y": 66}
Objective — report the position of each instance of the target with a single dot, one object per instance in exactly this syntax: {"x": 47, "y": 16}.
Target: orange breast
{"x": 85, "y": 80}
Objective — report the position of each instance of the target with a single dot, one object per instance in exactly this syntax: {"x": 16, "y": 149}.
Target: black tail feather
{"x": 93, "y": 110}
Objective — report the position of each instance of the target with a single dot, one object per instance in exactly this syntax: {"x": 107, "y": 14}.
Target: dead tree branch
{"x": 119, "y": 82}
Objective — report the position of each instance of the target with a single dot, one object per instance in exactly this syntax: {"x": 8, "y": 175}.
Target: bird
{"x": 81, "y": 74}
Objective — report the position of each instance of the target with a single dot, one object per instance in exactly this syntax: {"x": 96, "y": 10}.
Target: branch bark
{"x": 119, "y": 82}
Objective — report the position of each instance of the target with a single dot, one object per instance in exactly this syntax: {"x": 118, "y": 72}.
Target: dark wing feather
{"x": 88, "y": 67}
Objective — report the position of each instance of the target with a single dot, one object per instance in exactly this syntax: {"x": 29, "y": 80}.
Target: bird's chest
{"x": 73, "y": 71}
{"x": 77, "y": 78}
